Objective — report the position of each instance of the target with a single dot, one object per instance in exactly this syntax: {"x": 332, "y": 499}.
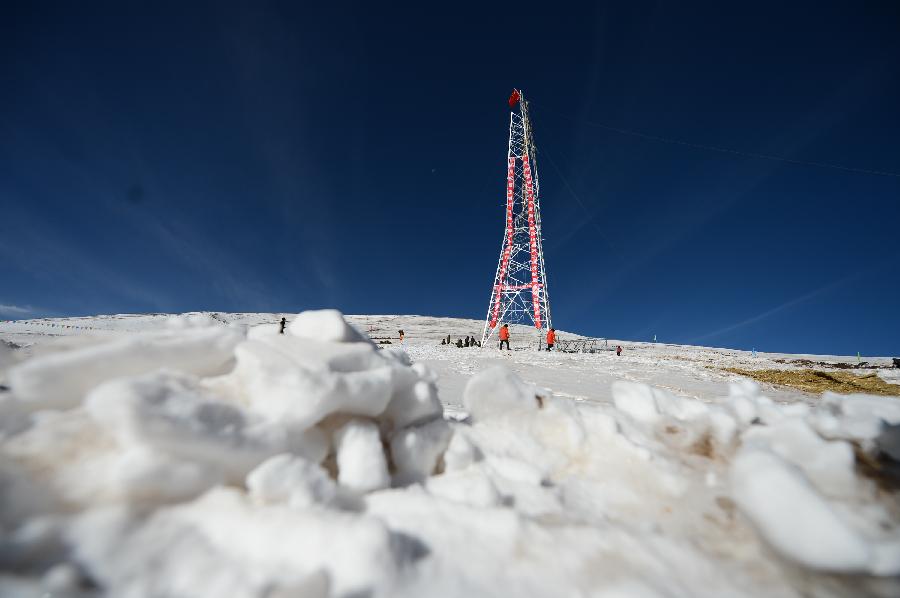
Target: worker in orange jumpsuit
{"x": 504, "y": 336}
{"x": 551, "y": 338}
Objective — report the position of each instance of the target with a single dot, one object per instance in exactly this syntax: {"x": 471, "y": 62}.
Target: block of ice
{"x": 886, "y": 408}
{"x": 291, "y": 480}
{"x": 416, "y": 450}
{"x": 412, "y": 405}
{"x": 13, "y": 416}
{"x": 165, "y": 412}
{"x": 743, "y": 387}
{"x": 20, "y": 495}
{"x": 325, "y": 355}
{"x": 792, "y": 517}
{"x": 325, "y": 325}
{"x": 281, "y": 389}
{"x": 743, "y": 408}
{"x": 223, "y": 544}
{"x": 360, "y": 456}
{"x": 461, "y": 452}
{"x": 635, "y": 399}
{"x": 142, "y": 476}
{"x": 515, "y": 470}
{"x": 472, "y": 487}
{"x": 723, "y": 428}
{"x": 60, "y": 380}
{"x": 497, "y": 391}
{"x": 830, "y": 465}
{"x": 396, "y": 355}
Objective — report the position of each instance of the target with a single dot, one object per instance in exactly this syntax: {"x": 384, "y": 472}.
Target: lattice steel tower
{"x": 519, "y": 294}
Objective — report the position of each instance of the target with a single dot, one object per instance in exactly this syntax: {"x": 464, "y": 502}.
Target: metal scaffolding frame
{"x": 519, "y": 294}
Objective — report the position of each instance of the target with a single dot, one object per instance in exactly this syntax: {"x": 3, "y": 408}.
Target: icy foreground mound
{"x": 209, "y": 461}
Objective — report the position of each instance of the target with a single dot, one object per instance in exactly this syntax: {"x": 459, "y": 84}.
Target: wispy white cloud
{"x": 14, "y": 310}
{"x": 230, "y": 279}
{"x": 44, "y": 255}
{"x": 780, "y": 308}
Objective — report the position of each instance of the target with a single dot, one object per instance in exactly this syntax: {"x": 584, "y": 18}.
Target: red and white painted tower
{"x": 519, "y": 294}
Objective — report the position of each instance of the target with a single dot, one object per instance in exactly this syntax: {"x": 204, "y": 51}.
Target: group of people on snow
{"x": 468, "y": 342}
{"x": 504, "y": 338}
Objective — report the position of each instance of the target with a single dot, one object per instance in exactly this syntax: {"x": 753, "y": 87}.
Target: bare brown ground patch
{"x": 817, "y": 381}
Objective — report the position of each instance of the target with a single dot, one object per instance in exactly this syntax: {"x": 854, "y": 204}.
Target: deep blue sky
{"x": 285, "y": 156}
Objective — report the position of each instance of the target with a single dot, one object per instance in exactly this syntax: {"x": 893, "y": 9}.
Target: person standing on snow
{"x": 504, "y": 337}
{"x": 618, "y": 350}
{"x": 551, "y": 338}
{"x": 281, "y": 326}
{"x": 401, "y": 337}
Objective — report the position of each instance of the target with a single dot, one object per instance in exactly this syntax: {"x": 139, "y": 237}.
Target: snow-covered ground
{"x": 207, "y": 455}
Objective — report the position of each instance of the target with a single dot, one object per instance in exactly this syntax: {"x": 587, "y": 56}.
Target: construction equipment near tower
{"x": 519, "y": 294}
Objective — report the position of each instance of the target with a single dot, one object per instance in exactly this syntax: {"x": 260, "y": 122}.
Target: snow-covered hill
{"x": 208, "y": 455}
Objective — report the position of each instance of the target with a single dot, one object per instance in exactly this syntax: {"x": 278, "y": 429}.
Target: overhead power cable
{"x": 724, "y": 150}
{"x": 590, "y": 217}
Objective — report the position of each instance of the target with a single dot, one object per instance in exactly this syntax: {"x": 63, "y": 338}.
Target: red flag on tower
{"x": 514, "y": 98}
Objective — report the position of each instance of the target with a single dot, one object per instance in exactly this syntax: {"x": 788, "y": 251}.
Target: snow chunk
{"x": 60, "y": 380}
{"x": 888, "y": 441}
{"x": 269, "y": 550}
{"x": 743, "y": 387}
{"x": 62, "y": 580}
{"x": 497, "y": 391}
{"x": 861, "y": 405}
{"x": 855, "y": 417}
{"x": 416, "y": 450}
{"x": 396, "y": 355}
{"x": 142, "y": 476}
{"x": 292, "y": 480}
{"x": 472, "y": 487}
{"x": 282, "y": 387}
{"x": 741, "y": 401}
{"x": 163, "y": 411}
{"x": 723, "y": 428}
{"x": 647, "y": 404}
{"x": 13, "y": 416}
{"x": 360, "y": 456}
{"x": 461, "y": 452}
{"x": 793, "y": 517}
{"x": 424, "y": 372}
{"x": 743, "y": 409}
{"x": 415, "y": 404}
{"x": 635, "y": 399}
{"x": 325, "y": 325}
{"x": 515, "y": 470}
{"x": 20, "y": 496}
{"x": 322, "y": 355}
{"x": 829, "y": 465}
